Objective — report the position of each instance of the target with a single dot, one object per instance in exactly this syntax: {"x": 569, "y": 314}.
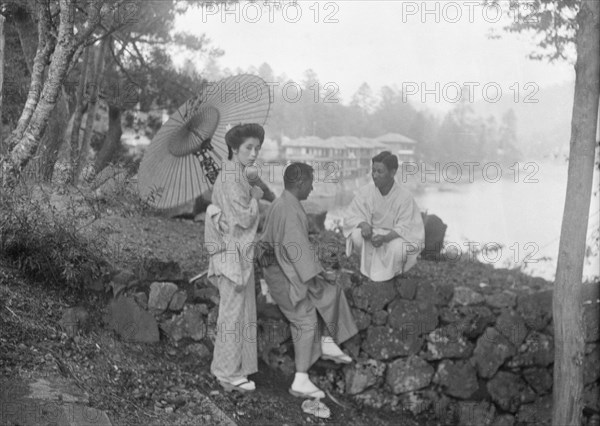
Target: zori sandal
{"x": 242, "y": 387}
{"x": 338, "y": 359}
{"x": 318, "y": 394}
{"x": 316, "y": 408}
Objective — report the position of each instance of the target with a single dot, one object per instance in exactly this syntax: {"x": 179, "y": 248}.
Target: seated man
{"x": 383, "y": 223}
{"x": 292, "y": 272}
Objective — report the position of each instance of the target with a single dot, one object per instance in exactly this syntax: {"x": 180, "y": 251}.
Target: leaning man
{"x": 317, "y": 310}
{"x": 383, "y": 223}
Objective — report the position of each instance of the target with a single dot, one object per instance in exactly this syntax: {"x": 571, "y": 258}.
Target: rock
{"x": 283, "y": 363}
{"x": 198, "y": 349}
{"x": 347, "y": 279}
{"x": 121, "y": 281}
{"x": 591, "y": 365}
{"x": 449, "y": 315}
{"x": 536, "y": 350}
{"x": 506, "y": 299}
{"x": 447, "y": 342}
{"x": 491, "y": 351}
{"x": 74, "y": 320}
{"x": 380, "y": 318}
{"x": 352, "y": 346}
{"x": 177, "y": 301}
{"x": 417, "y": 317}
{"x": 385, "y": 343}
{"x": 415, "y": 403}
{"x": 361, "y": 319}
{"x": 536, "y": 309}
{"x": 161, "y": 271}
{"x": 465, "y": 296}
{"x": 131, "y": 322}
{"x": 540, "y": 379}
{"x": 509, "y": 391}
{"x": 445, "y": 409}
{"x": 141, "y": 299}
{"x": 476, "y": 413}
{"x": 407, "y": 287}
{"x": 504, "y": 420}
{"x": 207, "y": 294}
{"x": 410, "y": 374}
{"x": 538, "y": 413}
{"x": 271, "y": 334}
{"x": 377, "y": 399}
{"x": 123, "y": 276}
{"x": 512, "y": 326}
{"x": 160, "y": 296}
{"x": 187, "y": 324}
{"x": 440, "y": 294}
{"x": 362, "y": 375}
{"x": 591, "y": 397}
{"x": 474, "y": 320}
{"x": 372, "y": 296}
{"x": 457, "y": 378}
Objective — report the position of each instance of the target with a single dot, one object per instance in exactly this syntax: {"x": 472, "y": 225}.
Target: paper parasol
{"x": 186, "y": 154}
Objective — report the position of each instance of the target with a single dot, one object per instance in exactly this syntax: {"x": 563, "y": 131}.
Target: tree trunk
{"x": 567, "y": 302}
{"x": 53, "y": 138}
{"x": 65, "y": 48}
{"x": 28, "y": 32}
{"x": 45, "y": 48}
{"x": 95, "y": 80}
{"x": 78, "y": 117}
{"x": 112, "y": 141}
{"x": 1, "y": 80}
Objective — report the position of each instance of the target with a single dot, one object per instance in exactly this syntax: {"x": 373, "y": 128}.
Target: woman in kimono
{"x": 230, "y": 230}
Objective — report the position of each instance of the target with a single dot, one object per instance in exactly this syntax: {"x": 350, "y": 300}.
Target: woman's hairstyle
{"x": 238, "y": 134}
{"x": 388, "y": 159}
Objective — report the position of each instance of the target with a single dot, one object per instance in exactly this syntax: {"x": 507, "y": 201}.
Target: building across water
{"x": 344, "y": 161}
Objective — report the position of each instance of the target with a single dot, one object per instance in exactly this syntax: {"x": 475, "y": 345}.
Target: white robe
{"x": 396, "y": 211}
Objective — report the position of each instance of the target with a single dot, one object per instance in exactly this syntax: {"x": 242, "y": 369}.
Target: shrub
{"x": 40, "y": 232}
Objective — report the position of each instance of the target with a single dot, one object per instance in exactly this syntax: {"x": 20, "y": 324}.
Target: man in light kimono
{"x": 383, "y": 223}
{"x": 317, "y": 310}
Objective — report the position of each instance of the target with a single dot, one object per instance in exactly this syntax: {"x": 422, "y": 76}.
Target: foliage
{"x": 44, "y": 239}
{"x": 552, "y": 23}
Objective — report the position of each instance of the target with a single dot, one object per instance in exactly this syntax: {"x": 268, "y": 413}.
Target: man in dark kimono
{"x": 293, "y": 274}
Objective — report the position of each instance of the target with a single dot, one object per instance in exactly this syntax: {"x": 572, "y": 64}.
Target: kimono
{"x": 230, "y": 230}
{"x": 396, "y": 211}
{"x": 295, "y": 283}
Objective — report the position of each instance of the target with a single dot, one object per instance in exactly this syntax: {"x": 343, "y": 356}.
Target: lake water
{"x": 516, "y": 218}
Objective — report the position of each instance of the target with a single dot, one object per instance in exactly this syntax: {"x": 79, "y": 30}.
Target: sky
{"x": 404, "y": 44}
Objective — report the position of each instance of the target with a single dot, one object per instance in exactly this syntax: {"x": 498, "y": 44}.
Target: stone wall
{"x": 465, "y": 354}
{"x": 469, "y": 356}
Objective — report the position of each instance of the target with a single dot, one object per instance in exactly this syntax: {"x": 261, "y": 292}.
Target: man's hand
{"x": 263, "y": 254}
{"x": 256, "y": 193}
{"x": 379, "y": 240}
{"x": 366, "y": 230}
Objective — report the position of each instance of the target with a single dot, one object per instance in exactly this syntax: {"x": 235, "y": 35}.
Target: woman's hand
{"x": 256, "y": 193}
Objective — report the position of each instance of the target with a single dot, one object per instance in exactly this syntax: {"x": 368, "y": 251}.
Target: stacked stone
{"x": 469, "y": 356}
{"x": 185, "y": 313}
